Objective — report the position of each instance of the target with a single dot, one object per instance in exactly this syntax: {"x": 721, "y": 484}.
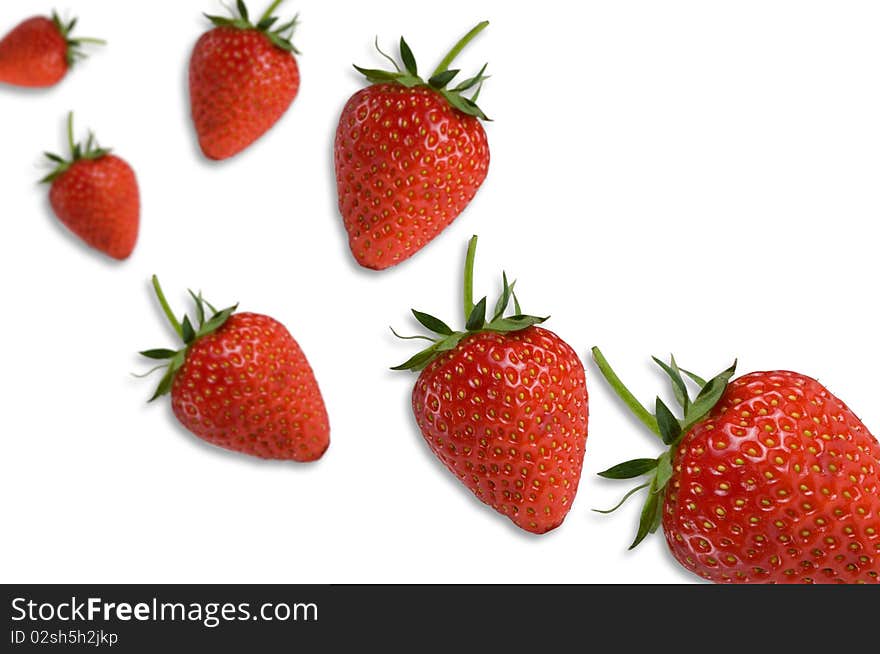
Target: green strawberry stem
{"x": 664, "y": 424}
{"x": 166, "y": 308}
{"x": 78, "y": 151}
{"x": 187, "y": 332}
{"x": 624, "y": 393}
{"x": 270, "y": 10}
{"x": 469, "y": 277}
{"x": 443, "y": 66}
{"x": 476, "y": 318}
{"x": 70, "y": 141}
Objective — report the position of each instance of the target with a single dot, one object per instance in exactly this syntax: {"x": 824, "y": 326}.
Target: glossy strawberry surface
{"x": 99, "y": 201}
{"x": 507, "y": 414}
{"x": 240, "y": 84}
{"x": 779, "y": 484}
{"x": 33, "y": 54}
{"x": 248, "y": 387}
{"x": 407, "y": 164}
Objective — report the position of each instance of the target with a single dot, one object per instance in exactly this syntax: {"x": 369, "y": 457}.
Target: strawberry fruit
{"x": 243, "y": 76}
{"x": 504, "y": 406}
{"x": 241, "y": 382}
{"x": 410, "y": 155}
{"x": 95, "y": 195}
{"x": 39, "y": 51}
{"x": 768, "y": 478}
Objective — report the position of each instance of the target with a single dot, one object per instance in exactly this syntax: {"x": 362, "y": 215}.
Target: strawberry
{"x": 242, "y": 78}
{"x": 410, "y": 156}
{"x": 40, "y": 51}
{"x": 241, "y": 382}
{"x": 768, "y": 478}
{"x": 95, "y": 194}
{"x": 503, "y": 404}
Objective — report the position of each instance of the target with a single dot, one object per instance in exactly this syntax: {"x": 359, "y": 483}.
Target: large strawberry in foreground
{"x": 243, "y": 76}
{"x": 242, "y": 382}
{"x": 95, "y": 195}
{"x": 769, "y": 478}
{"x": 410, "y": 155}
{"x": 504, "y": 406}
{"x": 39, "y": 51}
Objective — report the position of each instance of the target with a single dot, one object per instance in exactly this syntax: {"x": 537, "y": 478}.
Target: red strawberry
{"x": 242, "y": 382}
{"x": 769, "y": 479}
{"x": 242, "y": 78}
{"x": 39, "y": 51}
{"x": 504, "y": 405}
{"x": 410, "y": 156}
{"x": 95, "y": 194}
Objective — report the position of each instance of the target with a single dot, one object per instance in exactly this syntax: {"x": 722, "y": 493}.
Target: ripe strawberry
{"x": 242, "y": 382}
{"x": 39, "y": 51}
{"x": 242, "y": 78}
{"x": 410, "y": 156}
{"x": 503, "y": 404}
{"x": 95, "y": 194}
{"x": 769, "y": 478}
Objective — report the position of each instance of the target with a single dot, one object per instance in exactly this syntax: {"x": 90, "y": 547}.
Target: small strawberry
{"x": 95, "y": 194}
{"x": 768, "y": 478}
{"x": 40, "y": 51}
{"x": 503, "y": 404}
{"x": 410, "y": 156}
{"x": 242, "y": 78}
{"x": 242, "y": 382}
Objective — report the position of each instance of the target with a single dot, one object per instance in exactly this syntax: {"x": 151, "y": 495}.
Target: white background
{"x": 697, "y": 177}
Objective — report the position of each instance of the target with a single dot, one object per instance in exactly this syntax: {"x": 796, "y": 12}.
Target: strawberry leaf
{"x": 189, "y": 334}
{"x": 708, "y": 397}
{"x": 679, "y": 389}
{"x": 409, "y": 61}
{"x": 630, "y": 469}
{"x": 242, "y": 10}
{"x": 664, "y": 472}
{"x": 159, "y": 354}
{"x": 477, "y": 318}
{"x": 651, "y": 513}
{"x": 440, "y": 80}
{"x": 670, "y": 429}
{"x": 434, "y": 324}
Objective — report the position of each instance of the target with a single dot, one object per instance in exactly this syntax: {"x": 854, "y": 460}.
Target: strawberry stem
{"x": 70, "y": 140}
{"x": 443, "y": 66}
{"x": 469, "y": 277}
{"x": 624, "y": 393}
{"x": 175, "y": 323}
{"x": 268, "y": 13}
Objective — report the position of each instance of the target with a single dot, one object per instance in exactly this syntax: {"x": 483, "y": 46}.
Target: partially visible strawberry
{"x": 504, "y": 406}
{"x": 242, "y": 79}
{"x": 95, "y": 194}
{"x": 768, "y": 478}
{"x": 410, "y": 155}
{"x": 40, "y": 51}
{"x": 241, "y": 382}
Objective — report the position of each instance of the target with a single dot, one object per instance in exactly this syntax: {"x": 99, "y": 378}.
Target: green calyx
{"x": 666, "y": 426}
{"x": 74, "y": 45}
{"x": 280, "y": 36}
{"x": 440, "y": 79}
{"x": 187, "y": 331}
{"x": 88, "y": 150}
{"x": 476, "y": 318}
